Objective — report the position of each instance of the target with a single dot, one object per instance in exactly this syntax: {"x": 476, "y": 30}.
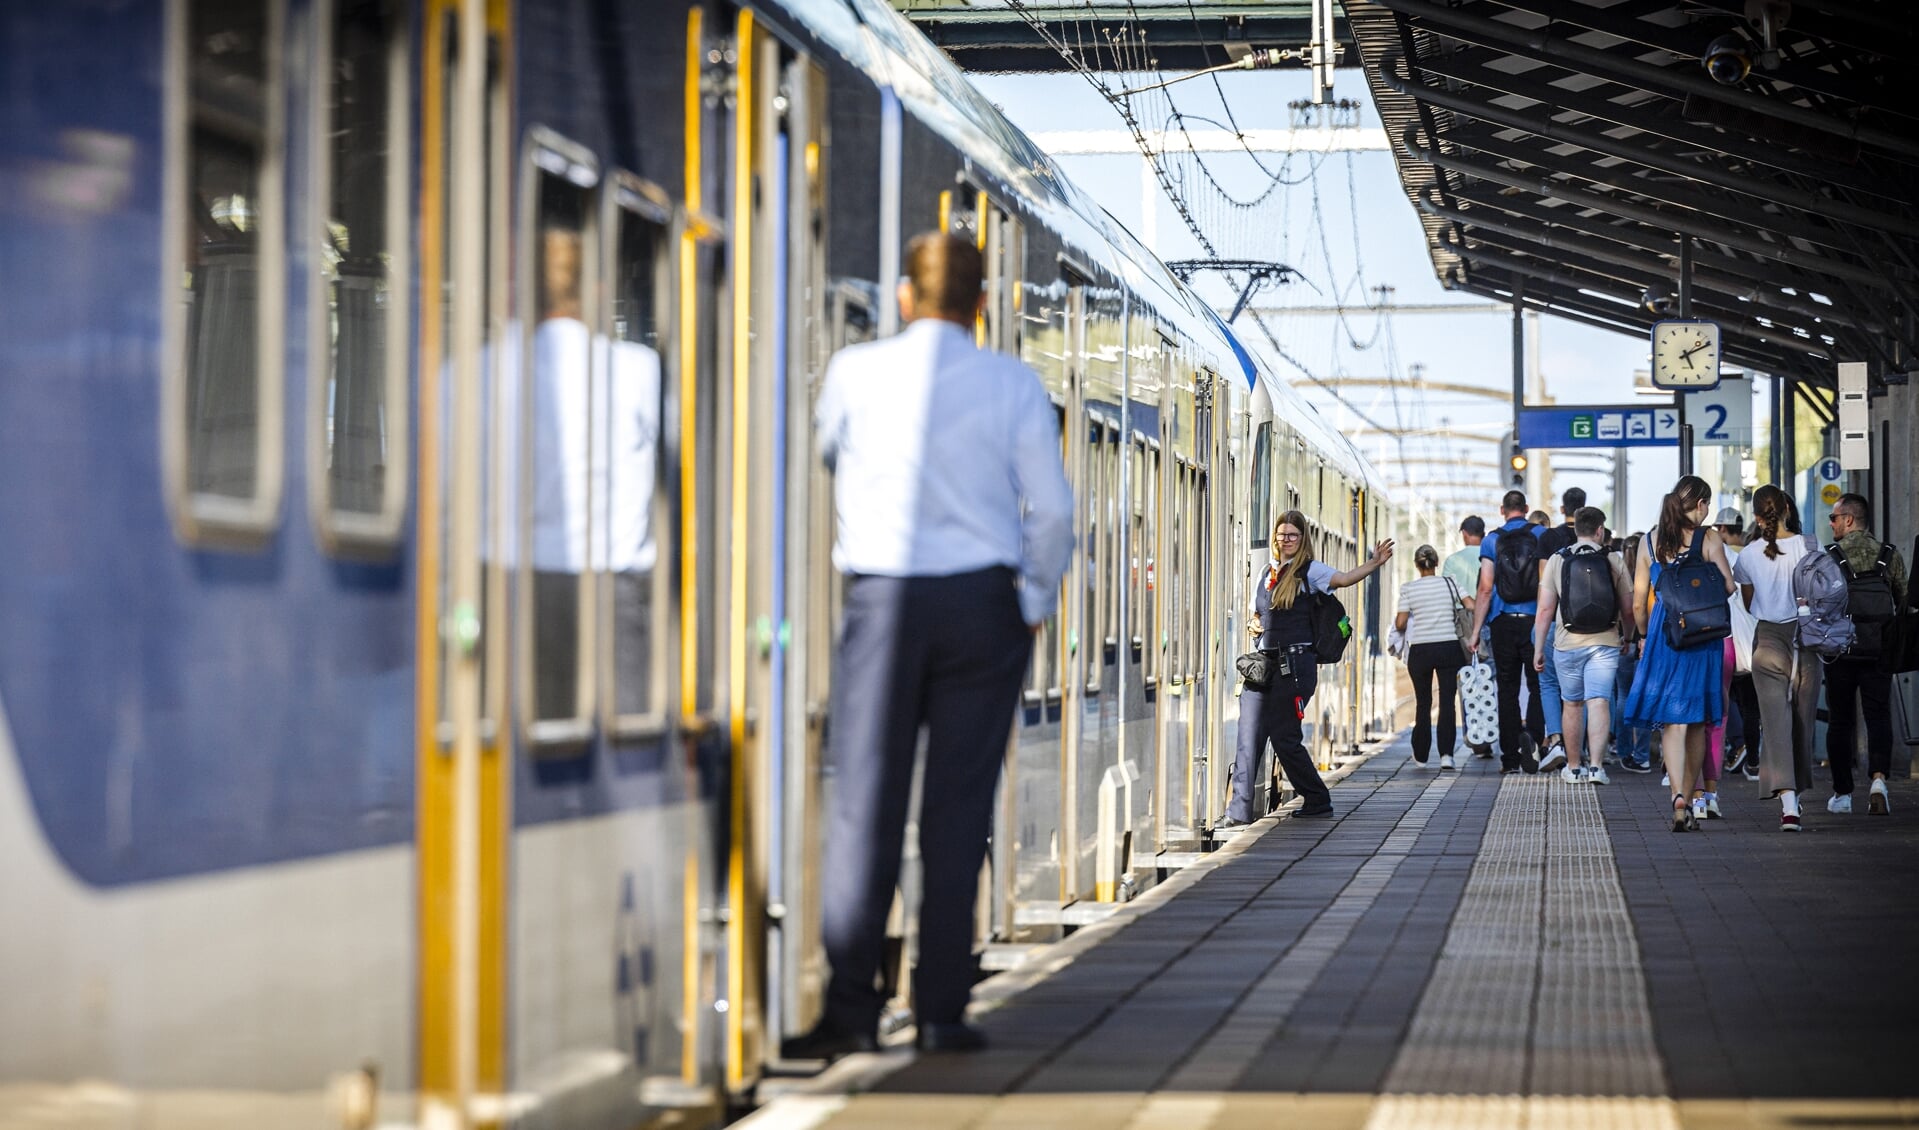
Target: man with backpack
{"x": 1586, "y": 591}
{"x": 1507, "y": 601}
{"x": 1553, "y": 541}
{"x": 1860, "y": 680}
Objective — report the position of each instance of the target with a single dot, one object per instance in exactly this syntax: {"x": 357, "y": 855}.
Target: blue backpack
{"x": 1693, "y": 593}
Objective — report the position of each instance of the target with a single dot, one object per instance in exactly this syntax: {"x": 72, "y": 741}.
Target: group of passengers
{"x": 1712, "y": 635}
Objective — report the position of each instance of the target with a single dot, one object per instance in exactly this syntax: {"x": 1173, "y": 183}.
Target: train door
{"x": 1059, "y": 640}
{"x": 802, "y": 625}
{"x": 759, "y": 508}
{"x": 1202, "y": 661}
{"x": 462, "y": 770}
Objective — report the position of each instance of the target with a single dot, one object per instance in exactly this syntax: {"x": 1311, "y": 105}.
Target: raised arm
{"x": 1382, "y": 553}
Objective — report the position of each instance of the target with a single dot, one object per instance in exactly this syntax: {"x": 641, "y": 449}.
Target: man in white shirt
{"x": 954, "y": 528}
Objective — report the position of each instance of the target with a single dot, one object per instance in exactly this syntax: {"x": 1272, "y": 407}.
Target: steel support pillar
{"x": 1685, "y": 311}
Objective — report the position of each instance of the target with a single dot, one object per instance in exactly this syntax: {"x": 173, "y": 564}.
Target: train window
{"x": 1260, "y": 524}
{"x": 640, "y": 269}
{"x": 222, "y": 420}
{"x": 1093, "y": 611}
{"x": 556, "y": 478}
{"x": 1148, "y": 551}
{"x": 1202, "y": 572}
{"x": 1112, "y": 507}
{"x": 359, "y": 400}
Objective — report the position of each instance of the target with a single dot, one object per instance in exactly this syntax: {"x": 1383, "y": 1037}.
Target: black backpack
{"x": 1693, "y": 593}
{"x": 1331, "y": 627}
{"x": 1516, "y": 565}
{"x": 1587, "y": 601}
{"x": 1870, "y": 603}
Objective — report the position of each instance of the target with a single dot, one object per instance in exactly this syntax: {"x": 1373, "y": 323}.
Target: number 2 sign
{"x": 1722, "y": 416}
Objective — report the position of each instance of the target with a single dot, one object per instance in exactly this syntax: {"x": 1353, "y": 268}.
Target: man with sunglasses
{"x": 1862, "y": 683}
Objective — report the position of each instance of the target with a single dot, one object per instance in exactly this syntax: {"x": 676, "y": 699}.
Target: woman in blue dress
{"x": 1680, "y": 690}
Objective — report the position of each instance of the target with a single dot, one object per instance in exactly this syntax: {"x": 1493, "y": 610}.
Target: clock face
{"x": 1685, "y": 354}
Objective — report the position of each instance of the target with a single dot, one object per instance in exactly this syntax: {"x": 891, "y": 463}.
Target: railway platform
{"x": 1457, "y": 950}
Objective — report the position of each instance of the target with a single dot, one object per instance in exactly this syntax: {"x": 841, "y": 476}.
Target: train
{"x": 417, "y": 600}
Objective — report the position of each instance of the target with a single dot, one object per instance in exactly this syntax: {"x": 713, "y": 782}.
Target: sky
{"x": 1343, "y": 223}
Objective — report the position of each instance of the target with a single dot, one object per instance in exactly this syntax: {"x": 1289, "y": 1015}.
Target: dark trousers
{"x": 1426, "y": 662}
{"x": 946, "y": 654}
{"x": 1857, "y": 685}
{"x": 1277, "y": 714}
{"x": 1744, "y": 725}
{"x": 1513, "y": 661}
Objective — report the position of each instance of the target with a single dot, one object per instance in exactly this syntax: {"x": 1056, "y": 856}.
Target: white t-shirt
{"x": 1771, "y": 577}
{"x": 1431, "y": 602}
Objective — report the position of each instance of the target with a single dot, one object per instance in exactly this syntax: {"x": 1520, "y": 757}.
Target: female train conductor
{"x": 1281, "y": 625}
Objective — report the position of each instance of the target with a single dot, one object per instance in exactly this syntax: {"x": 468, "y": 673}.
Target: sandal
{"x": 1682, "y": 820}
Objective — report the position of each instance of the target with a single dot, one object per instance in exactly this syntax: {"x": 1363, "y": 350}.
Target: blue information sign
{"x": 1829, "y": 470}
{"x": 1599, "y": 425}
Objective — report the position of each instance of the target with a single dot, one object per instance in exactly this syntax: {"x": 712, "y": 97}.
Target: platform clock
{"x": 1685, "y": 354}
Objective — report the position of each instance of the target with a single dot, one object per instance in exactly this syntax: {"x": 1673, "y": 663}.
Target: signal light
{"x": 1518, "y": 462}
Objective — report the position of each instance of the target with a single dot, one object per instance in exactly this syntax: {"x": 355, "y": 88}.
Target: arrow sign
{"x": 1599, "y": 425}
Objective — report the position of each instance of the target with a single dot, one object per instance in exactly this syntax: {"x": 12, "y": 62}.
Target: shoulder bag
{"x": 1462, "y": 618}
{"x": 1255, "y": 669}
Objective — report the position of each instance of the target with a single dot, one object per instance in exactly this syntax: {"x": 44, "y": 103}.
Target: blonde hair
{"x": 1292, "y": 579}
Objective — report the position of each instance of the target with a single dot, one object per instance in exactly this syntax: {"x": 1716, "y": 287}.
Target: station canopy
{"x": 1558, "y": 151}
{"x": 1170, "y": 35}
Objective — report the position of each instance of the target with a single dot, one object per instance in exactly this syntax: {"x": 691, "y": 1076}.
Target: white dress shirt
{"x": 946, "y": 460}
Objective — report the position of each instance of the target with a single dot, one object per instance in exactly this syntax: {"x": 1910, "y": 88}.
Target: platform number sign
{"x": 1721, "y": 417}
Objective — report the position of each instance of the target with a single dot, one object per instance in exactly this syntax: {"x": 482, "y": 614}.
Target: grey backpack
{"x": 1820, "y": 581}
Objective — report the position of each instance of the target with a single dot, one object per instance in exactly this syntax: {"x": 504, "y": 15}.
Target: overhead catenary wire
{"x": 1227, "y": 223}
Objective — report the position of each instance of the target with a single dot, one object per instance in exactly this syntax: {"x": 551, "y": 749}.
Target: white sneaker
{"x": 1570, "y": 775}
{"x": 1879, "y": 801}
{"x": 1699, "y": 808}
{"x": 1446, "y": 762}
{"x": 1840, "y": 804}
{"x": 1712, "y": 808}
{"x": 1598, "y": 776}
{"x": 1555, "y": 757}
{"x": 1665, "y": 780}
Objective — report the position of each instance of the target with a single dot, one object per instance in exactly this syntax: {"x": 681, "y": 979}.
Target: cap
{"x": 1728, "y": 517}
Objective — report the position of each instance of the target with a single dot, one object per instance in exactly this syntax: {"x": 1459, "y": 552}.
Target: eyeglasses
{"x": 1289, "y": 537}
{"x": 1836, "y": 517}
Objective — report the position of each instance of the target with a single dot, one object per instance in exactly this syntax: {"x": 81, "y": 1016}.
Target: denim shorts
{"x": 1587, "y": 667}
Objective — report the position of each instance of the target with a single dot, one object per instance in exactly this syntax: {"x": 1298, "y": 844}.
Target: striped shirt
{"x": 1431, "y": 601}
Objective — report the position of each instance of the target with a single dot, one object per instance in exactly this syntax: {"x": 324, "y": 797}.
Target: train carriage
{"x": 418, "y": 585}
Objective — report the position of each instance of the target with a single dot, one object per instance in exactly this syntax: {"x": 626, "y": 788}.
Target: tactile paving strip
{"x": 1536, "y": 1013}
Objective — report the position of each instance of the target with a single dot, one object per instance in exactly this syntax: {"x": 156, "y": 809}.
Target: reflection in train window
{"x": 631, "y": 435}
{"x": 361, "y": 403}
{"x": 560, "y": 396}
{"x": 224, "y": 408}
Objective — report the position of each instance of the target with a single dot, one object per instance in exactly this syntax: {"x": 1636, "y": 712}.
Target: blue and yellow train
{"x": 416, "y": 609}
